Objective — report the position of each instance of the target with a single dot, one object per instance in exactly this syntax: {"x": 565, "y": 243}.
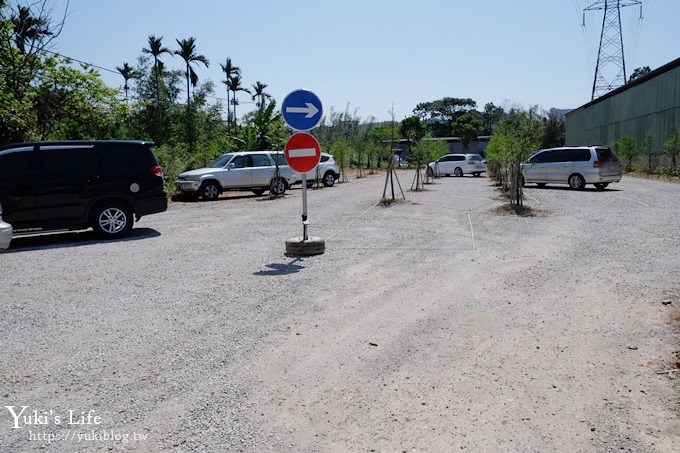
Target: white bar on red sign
{"x": 302, "y": 152}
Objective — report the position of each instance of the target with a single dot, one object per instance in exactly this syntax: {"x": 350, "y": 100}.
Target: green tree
{"x": 235, "y": 85}
{"x": 74, "y": 104}
{"x": 627, "y": 149}
{"x": 427, "y": 151}
{"x": 187, "y": 51}
{"x": 381, "y": 139}
{"x": 671, "y": 148}
{"x": 647, "y": 148}
{"x": 264, "y": 129}
{"x": 439, "y": 115}
{"x": 467, "y": 126}
{"x": 128, "y": 73}
{"x": 155, "y": 49}
{"x": 412, "y": 129}
{"x": 259, "y": 95}
{"x": 639, "y": 72}
{"x": 229, "y": 71}
{"x": 491, "y": 117}
{"x": 553, "y": 130}
{"x": 24, "y": 34}
{"x": 512, "y": 142}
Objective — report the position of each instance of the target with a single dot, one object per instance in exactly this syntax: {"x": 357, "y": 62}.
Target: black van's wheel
{"x": 210, "y": 190}
{"x": 577, "y": 182}
{"x": 328, "y": 179}
{"x": 112, "y": 220}
{"x": 601, "y": 185}
{"x": 259, "y": 191}
{"x": 458, "y": 172}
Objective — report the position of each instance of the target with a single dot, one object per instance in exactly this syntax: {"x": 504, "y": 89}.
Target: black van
{"x": 80, "y": 184}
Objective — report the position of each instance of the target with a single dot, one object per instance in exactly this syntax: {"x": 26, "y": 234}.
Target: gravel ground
{"x": 434, "y": 324}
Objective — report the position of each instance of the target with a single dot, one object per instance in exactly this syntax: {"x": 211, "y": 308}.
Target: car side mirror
{"x": 230, "y": 165}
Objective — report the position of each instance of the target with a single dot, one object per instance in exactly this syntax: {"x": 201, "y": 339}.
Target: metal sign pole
{"x": 304, "y": 207}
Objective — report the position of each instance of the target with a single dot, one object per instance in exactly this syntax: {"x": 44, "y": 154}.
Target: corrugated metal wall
{"x": 651, "y": 105}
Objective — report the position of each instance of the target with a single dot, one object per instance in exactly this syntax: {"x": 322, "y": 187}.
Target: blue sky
{"x": 374, "y": 55}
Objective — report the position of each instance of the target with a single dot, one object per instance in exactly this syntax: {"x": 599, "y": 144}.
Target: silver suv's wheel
{"x": 210, "y": 191}
{"x": 112, "y": 220}
{"x": 328, "y": 179}
{"x": 278, "y": 186}
{"x": 458, "y": 172}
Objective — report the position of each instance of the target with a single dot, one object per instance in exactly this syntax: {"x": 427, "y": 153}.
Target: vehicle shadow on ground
{"x": 73, "y": 239}
{"x": 282, "y": 268}
{"x": 569, "y": 189}
{"x": 224, "y": 197}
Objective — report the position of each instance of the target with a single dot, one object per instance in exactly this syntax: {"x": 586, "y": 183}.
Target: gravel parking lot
{"x": 434, "y": 324}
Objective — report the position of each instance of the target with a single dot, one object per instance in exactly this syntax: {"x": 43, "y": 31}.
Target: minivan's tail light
{"x": 157, "y": 170}
{"x": 597, "y": 164}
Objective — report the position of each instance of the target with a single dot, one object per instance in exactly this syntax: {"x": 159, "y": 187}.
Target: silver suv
{"x": 327, "y": 171}
{"x": 251, "y": 170}
{"x": 574, "y": 166}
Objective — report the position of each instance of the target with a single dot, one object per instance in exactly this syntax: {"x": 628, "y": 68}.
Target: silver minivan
{"x": 575, "y": 166}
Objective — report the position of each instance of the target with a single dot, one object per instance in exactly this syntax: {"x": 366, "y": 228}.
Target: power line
{"x": 81, "y": 62}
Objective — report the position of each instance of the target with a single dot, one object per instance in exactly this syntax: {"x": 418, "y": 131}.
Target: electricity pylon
{"x": 610, "y": 71}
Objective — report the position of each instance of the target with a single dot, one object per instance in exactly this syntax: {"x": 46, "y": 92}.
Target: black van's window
{"x": 123, "y": 159}
{"x": 15, "y": 164}
{"x": 64, "y": 162}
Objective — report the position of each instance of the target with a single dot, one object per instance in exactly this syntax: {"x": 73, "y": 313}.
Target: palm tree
{"x": 128, "y": 73}
{"x": 187, "y": 49}
{"x": 259, "y": 94}
{"x": 230, "y": 71}
{"x": 235, "y": 86}
{"x": 156, "y": 49}
{"x": 264, "y": 122}
{"x": 28, "y": 29}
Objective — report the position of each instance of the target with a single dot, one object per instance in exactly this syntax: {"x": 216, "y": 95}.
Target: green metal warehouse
{"x": 648, "y": 104}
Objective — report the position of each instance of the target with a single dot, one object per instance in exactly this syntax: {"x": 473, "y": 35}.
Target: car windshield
{"x": 221, "y": 161}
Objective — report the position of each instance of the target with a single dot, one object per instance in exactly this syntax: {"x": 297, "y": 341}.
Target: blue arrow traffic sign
{"x": 301, "y": 110}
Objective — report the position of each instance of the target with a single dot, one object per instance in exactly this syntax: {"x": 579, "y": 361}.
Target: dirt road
{"x": 434, "y": 324}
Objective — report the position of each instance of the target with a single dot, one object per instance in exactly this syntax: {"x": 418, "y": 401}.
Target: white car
{"x": 327, "y": 171}
{"x": 244, "y": 170}
{"x": 457, "y": 165}
{"x": 6, "y": 231}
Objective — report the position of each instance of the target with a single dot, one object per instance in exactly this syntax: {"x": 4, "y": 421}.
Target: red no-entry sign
{"x": 302, "y": 152}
